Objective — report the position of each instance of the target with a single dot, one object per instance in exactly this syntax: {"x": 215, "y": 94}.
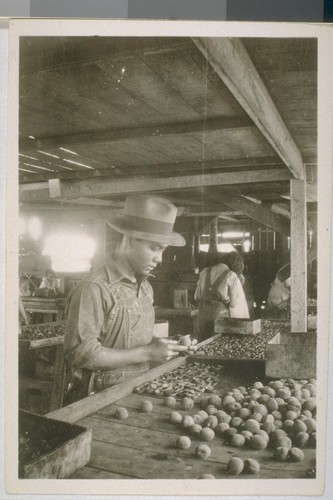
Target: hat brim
{"x": 173, "y": 239}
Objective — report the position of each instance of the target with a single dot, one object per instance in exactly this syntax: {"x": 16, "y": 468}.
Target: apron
{"x": 211, "y": 306}
{"x": 129, "y": 324}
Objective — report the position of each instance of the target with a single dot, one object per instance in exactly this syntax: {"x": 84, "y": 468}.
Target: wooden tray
{"x": 232, "y": 326}
{"x": 49, "y": 449}
{"x": 44, "y": 342}
{"x": 292, "y": 355}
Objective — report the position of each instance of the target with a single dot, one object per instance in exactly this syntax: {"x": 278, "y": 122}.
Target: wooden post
{"x": 298, "y": 251}
{"x": 213, "y": 236}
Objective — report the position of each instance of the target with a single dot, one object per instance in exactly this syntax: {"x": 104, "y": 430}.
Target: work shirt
{"x": 107, "y": 309}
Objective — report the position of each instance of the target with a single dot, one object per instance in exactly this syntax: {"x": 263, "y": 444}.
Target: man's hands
{"x": 164, "y": 349}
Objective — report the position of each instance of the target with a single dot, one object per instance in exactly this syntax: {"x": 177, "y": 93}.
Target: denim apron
{"x": 211, "y": 306}
{"x": 128, "y": 324}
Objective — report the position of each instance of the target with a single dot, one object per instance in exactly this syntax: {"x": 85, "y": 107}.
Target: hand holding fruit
{"x": 164, "y": 349}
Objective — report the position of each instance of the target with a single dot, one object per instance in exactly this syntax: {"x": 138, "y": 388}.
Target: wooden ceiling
{"x": 218, "y": 125}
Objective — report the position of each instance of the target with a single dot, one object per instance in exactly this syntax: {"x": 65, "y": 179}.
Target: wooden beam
{"x": 232, "y": 63}
{"x": 120, "y": 186}
{"x": 112, "y": 135}
{"x": 298, "y": 258}
{"x": 255, "y": 212}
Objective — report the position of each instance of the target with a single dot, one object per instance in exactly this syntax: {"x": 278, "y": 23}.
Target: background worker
{"x": 220, "y": 293}
{"x": 110, "y": 315}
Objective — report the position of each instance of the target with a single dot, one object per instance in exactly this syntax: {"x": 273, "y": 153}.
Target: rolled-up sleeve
{"x": 84, "y": 323}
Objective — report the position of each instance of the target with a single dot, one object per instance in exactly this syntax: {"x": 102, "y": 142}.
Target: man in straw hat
{"x": 110, "y": 315}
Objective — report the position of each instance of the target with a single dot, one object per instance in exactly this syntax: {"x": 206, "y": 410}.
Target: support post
{"x": 298, "y": 253}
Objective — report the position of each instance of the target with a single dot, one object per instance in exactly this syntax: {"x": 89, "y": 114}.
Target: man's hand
{"x": 164, "y": 349}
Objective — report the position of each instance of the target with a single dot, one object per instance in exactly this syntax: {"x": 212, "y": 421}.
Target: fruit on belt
{"x": 40, "y": 331}
{"x": 244, "y": 347}
{"x": 186, "y": 381}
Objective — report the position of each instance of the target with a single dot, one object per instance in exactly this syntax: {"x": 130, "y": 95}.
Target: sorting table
{"x": 144, "y": 445}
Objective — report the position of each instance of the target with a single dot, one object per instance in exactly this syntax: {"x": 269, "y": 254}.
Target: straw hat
{"x": 150, "y": 218}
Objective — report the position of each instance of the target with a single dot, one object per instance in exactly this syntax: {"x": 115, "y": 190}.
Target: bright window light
{"x": 70, "y": 252}
{"x": 34, "y": 228}
{"x": 222, "y": 247}
{"x": 235, "y": 234}
{"x": 22, "y": 226}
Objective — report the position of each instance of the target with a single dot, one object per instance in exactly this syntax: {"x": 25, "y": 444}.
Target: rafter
{"x": 232, "y": 63}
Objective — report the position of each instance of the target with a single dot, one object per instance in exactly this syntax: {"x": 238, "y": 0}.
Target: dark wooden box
{"x": 292, "y": 355}
{"x": 51, "y": 449}
{"x": 237, "y": 326}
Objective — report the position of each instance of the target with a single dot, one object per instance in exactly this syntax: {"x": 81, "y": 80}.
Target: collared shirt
{"x": 89, "y": 309}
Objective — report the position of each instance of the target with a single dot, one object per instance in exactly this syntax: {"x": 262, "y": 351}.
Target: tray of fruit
{"x": 42, "y": 334}
{"x": 240, "y": 347}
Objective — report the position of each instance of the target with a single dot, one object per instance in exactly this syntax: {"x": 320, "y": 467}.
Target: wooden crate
{"x": 292, "y": 355}
{"x": 51, "y": 449}
{"x": 25, "y": 341}
{"x": 161, "y": 329}
{"x": 237, "y": 326}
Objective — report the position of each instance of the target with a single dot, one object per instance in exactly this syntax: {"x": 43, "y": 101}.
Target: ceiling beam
{"x": 123, "y": 186}
{"x": 232, "y": 63}
{"x": 256, "y": 212}
{"x": 112, "y": 135}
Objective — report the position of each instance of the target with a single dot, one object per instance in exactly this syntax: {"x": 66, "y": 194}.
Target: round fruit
{"x": 310, "y": 404}
{"x": 247, "y": 435}
{"x": 223, "y": 417}
{"x": 121, "y": 413}
{"x": 221, "y": 428}
{"x": 187, "y": 421}
{"x": 206, "y": 476}
{"x": 283, "y": 441}
{"x": 207, "y": 434}
{"x": 276, "y": 384}
{"x": 296, "y": 455}
{"x": 260, "y": 408}
{"x": 263, "y": 433}
{"x": 197, "y": 419}
{"x": 258, "y": 385}
{"x": 244, "y": 413}
{"x": 281, "y": 453}
{"x": 146, "y": 406}
{"x": 264, "y": 398}
{"x": 227, "y": 400}
{"x": 251, "y": 425}
{"x": 215, "y": 400}
{"x": 268, "y": 390}
{"x": 230, "y": 432}
{"x": 257, "y": 416}
{"x": 299, "y": 426}
{"x": 270, "y": 418}
{"x": 175, "y": 417}
{"x": 272, "y": 405}
{"x": 237, "y": 440}
{"x": 288, "y": 426}
{"x": 211, "y": 410}
{"x": 183, "y": 442}
{"x": 302, "y": 439}
{"x": 311, "y": 425}
{"x": 235, "y": 466}
{"x": 185, "y": 340}
{"x": 187, "y": 403}
{"x": 268, "y": 427}
{"x": 170, "y": 401}
{"x": 203, "y": 414}
{"x": 211, "y": 421}
{"x": 251, "y": 466}
{"x": 236, "y": 422}
{"x": 258, "y": 442}
{"x": 254, "y": 394}
{"x": 195, "y": 429}
{"x": 283, "y": 393}
{"x": 203, "y": 451}
{"x": 306, "y": 394}
{"x": 290, "y": 415}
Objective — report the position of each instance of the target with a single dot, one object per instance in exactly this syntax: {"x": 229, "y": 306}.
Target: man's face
{"x": 144, "y": 256}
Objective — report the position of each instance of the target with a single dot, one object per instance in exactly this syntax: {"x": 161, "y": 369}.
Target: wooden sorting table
{"x": 143, "y": 446}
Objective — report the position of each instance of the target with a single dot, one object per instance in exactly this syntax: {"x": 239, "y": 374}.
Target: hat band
{"x": 148, "y": 225}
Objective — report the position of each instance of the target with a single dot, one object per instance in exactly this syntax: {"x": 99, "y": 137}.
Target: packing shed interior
{"x": 226, "y": 128}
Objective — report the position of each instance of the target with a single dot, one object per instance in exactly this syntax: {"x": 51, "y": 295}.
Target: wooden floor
{"x": 144, "y": 445}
